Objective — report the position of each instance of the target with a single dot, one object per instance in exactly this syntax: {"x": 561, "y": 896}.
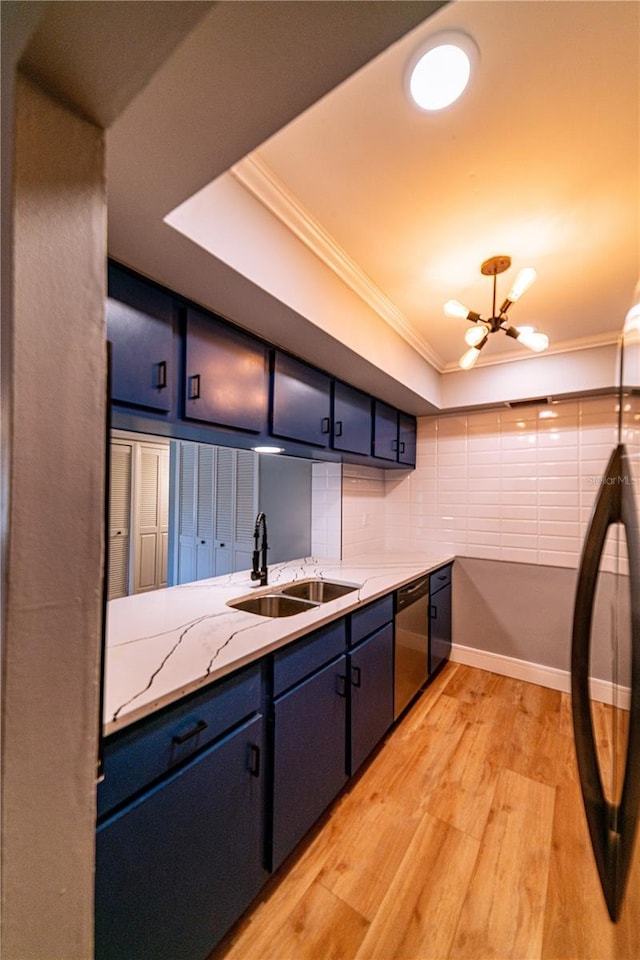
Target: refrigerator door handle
{"x": 612, "y": 826}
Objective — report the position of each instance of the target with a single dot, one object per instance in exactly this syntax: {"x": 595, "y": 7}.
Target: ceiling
{"x": 300, "y": 107}
{"x": 539, "y": 160}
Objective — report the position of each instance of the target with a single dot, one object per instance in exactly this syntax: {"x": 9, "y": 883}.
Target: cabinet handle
{"x": 338, "y": 428}
{"x": 194, "y": 387}
{"x": 253, "y": 760}
{"x": 341, "y": 685}
{"x": 394, "y": 446}
{"x": 199, "y": 727}
{"x": 162, "y": 375}
{"x": 433, "y": 611}
{"x": 402, "y": 443}
{"x": 326, "y": 424}
{"x": 356, "y": 676}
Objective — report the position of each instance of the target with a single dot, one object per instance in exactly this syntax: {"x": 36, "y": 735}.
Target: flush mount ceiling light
{"x": 476, "y": 337}
{"x": 440, "y": 71}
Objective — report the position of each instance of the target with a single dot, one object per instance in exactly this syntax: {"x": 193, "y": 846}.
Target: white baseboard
{"x": 602, "y": 690}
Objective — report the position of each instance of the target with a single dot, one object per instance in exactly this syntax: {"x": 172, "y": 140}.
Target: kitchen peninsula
{"x": 228, "y": 734}
{"x": 167, "y": 643}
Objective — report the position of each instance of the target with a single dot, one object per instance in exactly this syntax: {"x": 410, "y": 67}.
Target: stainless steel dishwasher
{"x": 412, "y": 639}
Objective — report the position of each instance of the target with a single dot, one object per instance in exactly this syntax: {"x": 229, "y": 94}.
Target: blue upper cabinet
{"x": 227, "y": 374}
{"x": 385, "y": 431}
{"x": 394, "y": 435}
{"x": 301, "y": 402}
{"x": 407, "y": 439}
{"x": 140, "y": 326}
{"x": 352, "y": 421}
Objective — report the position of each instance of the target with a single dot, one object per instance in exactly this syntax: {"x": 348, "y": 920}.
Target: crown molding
{"x": 564, "y": 346}
{"x": 260, "y": 180}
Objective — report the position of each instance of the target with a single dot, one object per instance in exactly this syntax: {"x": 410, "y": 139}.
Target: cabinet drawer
{"x": 371, "y": 618}
{"x": 139, "y": 755}
{"x": 301, "y": 658}
{"x": 440, "y": 578}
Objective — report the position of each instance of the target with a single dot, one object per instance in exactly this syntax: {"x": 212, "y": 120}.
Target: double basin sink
{"x": 293, "y": 598}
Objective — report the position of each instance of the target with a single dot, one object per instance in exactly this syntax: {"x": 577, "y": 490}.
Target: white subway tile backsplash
{"x": 504, "y": 484}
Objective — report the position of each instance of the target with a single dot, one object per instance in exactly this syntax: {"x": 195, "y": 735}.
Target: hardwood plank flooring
{"x": 463, "y": 837}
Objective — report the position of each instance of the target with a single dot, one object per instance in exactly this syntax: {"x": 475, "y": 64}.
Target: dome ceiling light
{"x": 440, "y": 72}
{"x": 476, "y": 337}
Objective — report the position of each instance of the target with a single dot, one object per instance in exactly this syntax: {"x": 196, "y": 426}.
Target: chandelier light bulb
{"x": 632, "y": 319}
{"x": 522, "y": 283}
{"x": 468, "y": 359}
{"x": 453, "y": 308}
{"x": 475, "y": 335}
{"x": 528, "y": 337}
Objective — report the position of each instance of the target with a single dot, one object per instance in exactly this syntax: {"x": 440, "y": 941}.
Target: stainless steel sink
{"x": 272, "y": 605}
{"x": 316, "y": 590}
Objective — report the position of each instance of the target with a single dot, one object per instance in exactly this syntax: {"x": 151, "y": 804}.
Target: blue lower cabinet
{"x": 177, "y": 866}
{"x": 309, "y": 767}
{"x": 371, "y": 694}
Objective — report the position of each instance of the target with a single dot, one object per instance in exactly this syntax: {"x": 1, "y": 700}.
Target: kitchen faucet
{"x": 260, "y": 574}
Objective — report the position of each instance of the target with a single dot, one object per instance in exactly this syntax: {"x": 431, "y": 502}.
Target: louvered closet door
{"x": 217, "y": 503}
{"x": 187, "y": 479}
{"x": 119, "y": 510}
{"x": 204, "y": 513}
{"x": 225, "y": 508}
{"x": 246, "y": 505}
{"x": 151, "y": 517}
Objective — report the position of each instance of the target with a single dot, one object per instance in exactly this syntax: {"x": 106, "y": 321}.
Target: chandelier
{"x": 477, "y": 336}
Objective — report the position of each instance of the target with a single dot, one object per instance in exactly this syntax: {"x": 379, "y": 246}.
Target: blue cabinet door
{"x": 352, "y": 421}
{"x": 227, "y": 375}
{"x": 309, "y": 767}
{"x": 177, "y": 867}
{"x": 385, "y": 431}
{"x": 301, "y": 402}
{"x": 407, "y": 439}
{"x": 140, "y": 326}
{"x": 371, "y": 694}
{"x": 439, "y": 628}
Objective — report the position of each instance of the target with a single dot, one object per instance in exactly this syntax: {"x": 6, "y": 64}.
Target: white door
{"x": 151, "y": 512}
{"x": 119, "y": 519}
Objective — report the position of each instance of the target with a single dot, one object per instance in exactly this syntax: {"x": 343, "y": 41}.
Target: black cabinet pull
{"x": 199, "y": 727}
{"x": 254, "y": 760}
{"x": 326, "y": 424}
{"x": 162, "y": 375}
{"x": 356, "y": 676}
{"x": 402, "y": 443}
{"x": 433, "y": 611}
{"x": 203, "y": 542}
{"x": 194, "y": 387}
{"x": 338, "y": 428}
{"x": 341, "y": 685}
{"x": 394, "y": 446}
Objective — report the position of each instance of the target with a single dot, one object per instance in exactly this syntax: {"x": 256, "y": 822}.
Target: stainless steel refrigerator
{"x": 610, "y": 778}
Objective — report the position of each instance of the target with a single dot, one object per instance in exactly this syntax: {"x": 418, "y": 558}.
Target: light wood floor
{"x": 464, "y": 837}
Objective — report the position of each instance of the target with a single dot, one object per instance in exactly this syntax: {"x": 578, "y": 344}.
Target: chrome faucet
{"x": 260, "y": 552}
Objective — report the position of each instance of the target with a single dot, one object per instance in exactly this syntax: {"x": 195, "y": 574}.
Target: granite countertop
{"x": 167, "y": 643}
